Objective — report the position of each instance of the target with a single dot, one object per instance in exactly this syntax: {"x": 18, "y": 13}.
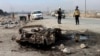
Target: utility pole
{"x": 85, "y": 9}
{"x": 12, "y": 12}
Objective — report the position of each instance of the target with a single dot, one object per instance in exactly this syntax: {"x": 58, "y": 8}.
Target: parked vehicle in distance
{"x": 37, "y": 15}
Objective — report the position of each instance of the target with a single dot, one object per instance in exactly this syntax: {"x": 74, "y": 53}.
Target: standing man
{"x": 59, "y": 15}
{"x": 29, "y": 16}
{"x": 13, "y": 15}
{"x": 77, "y": 15}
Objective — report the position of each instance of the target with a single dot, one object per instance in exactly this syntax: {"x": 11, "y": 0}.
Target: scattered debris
{"x": 13, "y": 37}
{"x": 61, "y": 47}
{"x": 98, "y": 50}
{"x": 77, "y": 37}
{"x": 82, "y": 46}
{"x": 9, "y": 23}
{"x": 14, "y": 50}
{"x": 18, "y": 39}
{"x": 1, "y": 41}
{"x": 66, "y": 50}
{"x": 53, "y": 47}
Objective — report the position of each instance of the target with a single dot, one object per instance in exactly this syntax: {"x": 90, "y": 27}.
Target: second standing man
{"x": 59, "y": 15}
{"x": 77, "y": 15}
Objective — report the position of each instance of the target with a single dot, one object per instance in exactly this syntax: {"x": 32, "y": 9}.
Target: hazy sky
{"x": 30, "y": 5}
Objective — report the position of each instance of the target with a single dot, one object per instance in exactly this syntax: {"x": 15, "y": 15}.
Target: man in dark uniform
{"x": 29, "y": 17}
{"x": 77, "y": 15}
{"x": 59, "y": 15}
{"x": 13, "y": 15}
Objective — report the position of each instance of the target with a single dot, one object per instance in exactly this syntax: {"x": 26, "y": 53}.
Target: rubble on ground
{"x": 53, "y": 47}
{"x": 98, "y": 50}
{"x": 66, "y": 50}
{"x": 82, "y": 46}
{"x": 61, "y": 47}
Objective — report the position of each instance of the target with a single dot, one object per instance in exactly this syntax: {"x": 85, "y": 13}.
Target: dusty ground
{"x": 11, "y": 48}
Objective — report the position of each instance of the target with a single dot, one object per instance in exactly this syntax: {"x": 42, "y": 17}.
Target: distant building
{"x": 98, "y": 14}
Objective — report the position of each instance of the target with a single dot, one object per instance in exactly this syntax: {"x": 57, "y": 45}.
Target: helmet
{"x": 76, "y": 6}
{"x": 59, "y": 8}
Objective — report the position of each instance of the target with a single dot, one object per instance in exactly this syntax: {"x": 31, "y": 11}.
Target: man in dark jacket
{"x": 29, "y": 17}
{"x": 59, "y": 15}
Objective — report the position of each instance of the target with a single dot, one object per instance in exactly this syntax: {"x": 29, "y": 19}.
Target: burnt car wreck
{"x": 37, "y": 34}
